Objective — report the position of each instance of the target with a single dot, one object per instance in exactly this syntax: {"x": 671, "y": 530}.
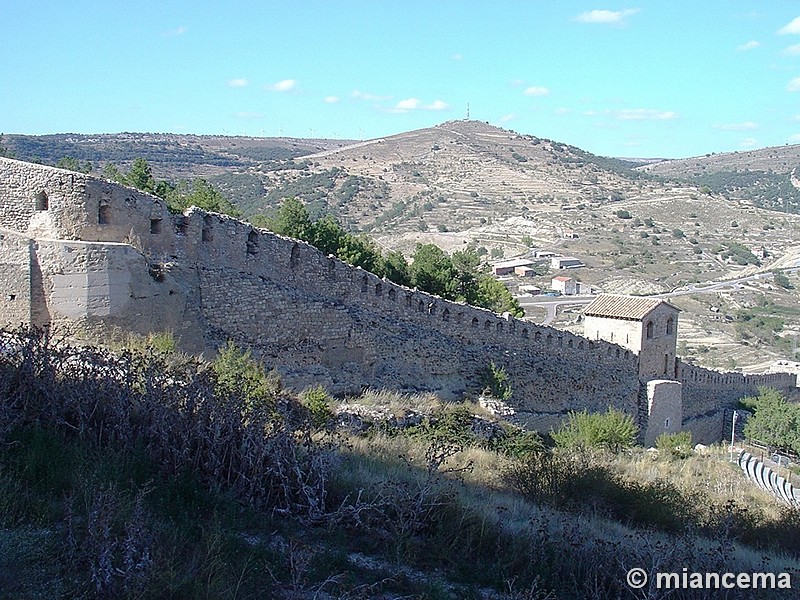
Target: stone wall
{"x": 50, "y": 203}
{"x": 665, "y": 409}
{"x": 15, "y": 279}
{"x": 89, "y": 256}
{"x": 706, "y": 393}
{"x": 319, "y": 320}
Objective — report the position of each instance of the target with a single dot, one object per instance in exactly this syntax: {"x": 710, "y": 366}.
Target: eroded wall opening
{"x": 252, "y": 243}
{"x": 42, "y": 201}
{"x": 103, "y": 214}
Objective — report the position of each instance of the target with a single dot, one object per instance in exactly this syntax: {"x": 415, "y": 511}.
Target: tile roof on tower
{"x": 617, "y": 306}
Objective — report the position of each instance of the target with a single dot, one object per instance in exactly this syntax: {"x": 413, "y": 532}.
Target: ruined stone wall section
{"x": 706, "y": 393}
{"x": 15, "y": 279}
{"x": 45, "y": 202}
{"x": 235, "y": 247}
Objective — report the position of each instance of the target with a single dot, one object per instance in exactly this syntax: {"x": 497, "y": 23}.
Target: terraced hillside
{"x": 766, "y": 177}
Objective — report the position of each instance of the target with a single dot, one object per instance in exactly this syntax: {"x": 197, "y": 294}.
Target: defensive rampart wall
{"x": 88, "y": 255}
{"x": 706, "y": 391}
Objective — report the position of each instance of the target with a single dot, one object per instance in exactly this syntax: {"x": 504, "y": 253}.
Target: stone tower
{"x": 647, "y": 326}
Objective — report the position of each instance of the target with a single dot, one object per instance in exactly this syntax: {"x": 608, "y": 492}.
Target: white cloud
{"x": 285, "y": 85}
{"x": 250, "y": 115}
{"x": 507, "y": 118}
{"x": 606, "y": 16}
{"x": 794, "y": 85}
{"x": 331, "y": 99}
{"x": 791, "y": 50}
{"x": 794, "y": 139}
{"x": 238, "y": 83}
{"x": 563, "y": 111}
{"x": 751, "y": 45}
{"x": 536, "y": 90}
{"x": 745, "y": 126}
{"x": 644, "y": 114}
{"x": 457, "y": 56}
{"x": 437, "y": 105}
{"x": 790, "y": 28}
{"x": 416, "y": 104}
{"x": 408, "y": 104}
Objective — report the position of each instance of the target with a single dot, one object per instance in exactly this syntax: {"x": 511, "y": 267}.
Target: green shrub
{"x": 239, "y": 374}
{"x": 518, "y": 443}
{"x": 612, "y": 430}
{"x": 449, "y": 425}
{"x": 496, "y": 380}
{"x": 317, "y": 402}
{"x": 675, "y": 445}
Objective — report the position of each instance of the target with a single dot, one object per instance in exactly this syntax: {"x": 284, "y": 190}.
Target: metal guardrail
{"x": 769, "y": 480}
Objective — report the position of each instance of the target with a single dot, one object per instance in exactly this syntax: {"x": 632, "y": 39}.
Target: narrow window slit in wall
{"x": 42, "y": 201}
{"x": 155, "y": 226}
{"x": 252, "y": 243}
{"x": 208, "y": 229}
{"x": 103, "y": 214}
{"x": 182, "y": 225}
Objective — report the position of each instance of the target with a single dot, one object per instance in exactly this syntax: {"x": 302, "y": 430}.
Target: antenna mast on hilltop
{"x": 467, "y": 119}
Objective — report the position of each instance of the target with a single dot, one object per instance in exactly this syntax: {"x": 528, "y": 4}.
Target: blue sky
{"x": 639, "y": 79}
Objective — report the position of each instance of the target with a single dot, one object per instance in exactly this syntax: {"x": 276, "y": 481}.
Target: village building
{"x": 509, "y": 266}
{"x": 566, "y": 285}
{"x": 566, "y": 262}
{"x": 525, "y": 271}
{"x": 533, "y": 290}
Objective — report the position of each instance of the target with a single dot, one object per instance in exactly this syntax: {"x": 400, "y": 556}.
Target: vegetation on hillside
{"x": 775, "y": 421}
{"x": 179, "y": 196}
{"x": 143, "y": 474}
{"x": 764, "y": 189}
{"x": 460, "y": 277}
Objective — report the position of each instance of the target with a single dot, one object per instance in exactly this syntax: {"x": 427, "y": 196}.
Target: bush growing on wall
{"x": 675, "y": 445}
{"x": 496, "y": 380}
{"x": 612, "y": 430}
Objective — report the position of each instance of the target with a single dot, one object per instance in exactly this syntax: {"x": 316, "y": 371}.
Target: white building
{"x": 566, "y": 285}
{"x": 566, "y": 262}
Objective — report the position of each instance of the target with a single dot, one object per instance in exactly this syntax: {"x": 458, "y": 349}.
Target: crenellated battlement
{"x": 90, "y": 256}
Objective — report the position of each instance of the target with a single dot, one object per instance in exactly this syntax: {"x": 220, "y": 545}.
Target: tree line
{"x": 460, "y": 277}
